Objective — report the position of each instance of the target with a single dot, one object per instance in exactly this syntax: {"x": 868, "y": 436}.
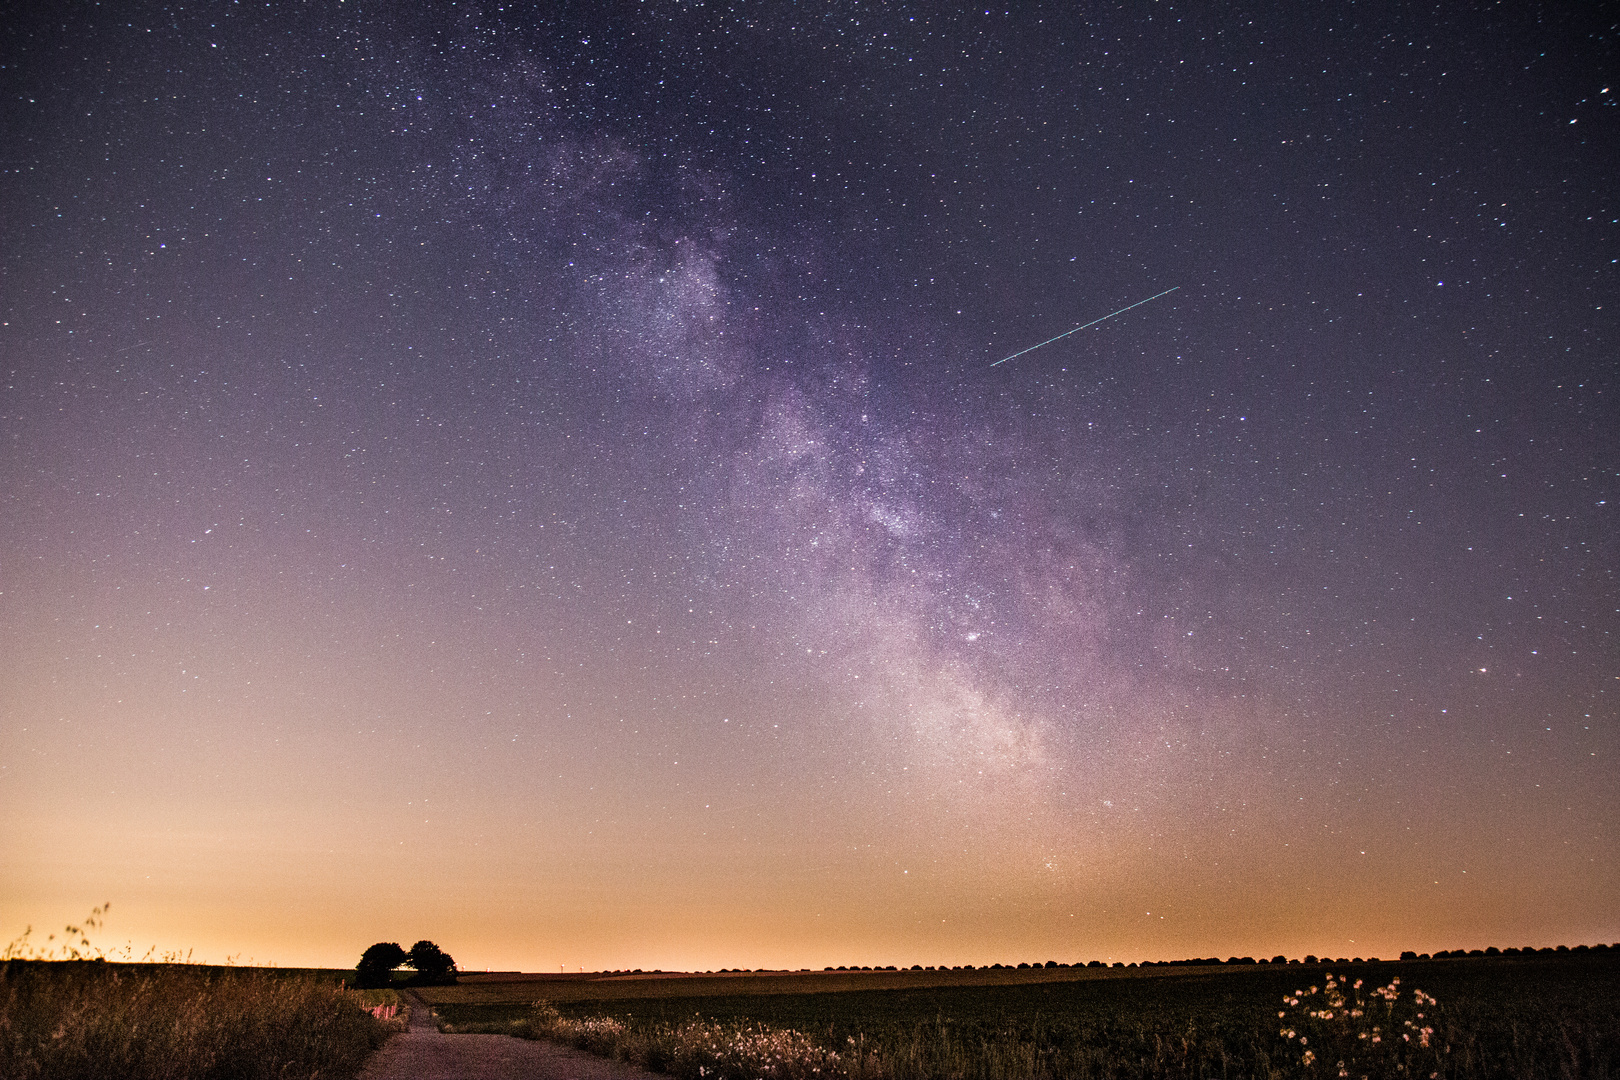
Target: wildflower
{"x": 1332, "y": 1023}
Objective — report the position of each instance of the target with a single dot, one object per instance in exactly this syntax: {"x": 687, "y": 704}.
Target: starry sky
{"x": 534, "y": 477}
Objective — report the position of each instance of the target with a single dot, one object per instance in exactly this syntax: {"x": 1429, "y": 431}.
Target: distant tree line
{"x": 1455, "y": 954}
{"x": 1215, "y": 960}
{"x": 433, "y": 966}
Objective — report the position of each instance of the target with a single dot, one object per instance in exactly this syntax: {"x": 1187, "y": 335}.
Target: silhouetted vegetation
{"x": 71, "y": 1019}
{"x": 433, "y": 965}
{"x": 377, "y": 964}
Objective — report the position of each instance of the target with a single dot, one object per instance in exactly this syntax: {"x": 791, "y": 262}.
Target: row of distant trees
{"x": 433, "y": 966}
{"x": 1441, "y": 955}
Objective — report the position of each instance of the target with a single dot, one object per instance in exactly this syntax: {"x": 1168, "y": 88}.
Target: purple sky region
{"x": 537, "y": 481}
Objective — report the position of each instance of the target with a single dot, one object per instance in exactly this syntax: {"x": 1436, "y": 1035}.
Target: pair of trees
{"x": 433, "y": 965}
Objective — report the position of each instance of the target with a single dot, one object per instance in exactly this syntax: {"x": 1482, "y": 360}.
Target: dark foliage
{"x": 433, "y": 965}
{"x": 377, "y": 964}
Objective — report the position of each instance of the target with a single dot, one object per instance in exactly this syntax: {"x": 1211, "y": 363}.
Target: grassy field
{"x": 67, "y": 1019}
{"x": 1522, "y": 1016}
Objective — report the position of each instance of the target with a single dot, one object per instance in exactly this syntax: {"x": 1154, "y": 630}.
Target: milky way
{"x": 545, "y": 483}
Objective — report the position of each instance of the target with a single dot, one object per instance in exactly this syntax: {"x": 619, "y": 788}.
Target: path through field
{"x": 423, "y": 1053}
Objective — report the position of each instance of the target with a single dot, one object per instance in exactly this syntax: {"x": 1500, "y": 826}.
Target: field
{"x": 1526, "y": 1016}
{"x": 67, "y": 1019}
{"x": 1522, "y": 1016}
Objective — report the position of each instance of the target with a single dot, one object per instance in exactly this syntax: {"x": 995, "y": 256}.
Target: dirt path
{"x": 423, "y": 1053}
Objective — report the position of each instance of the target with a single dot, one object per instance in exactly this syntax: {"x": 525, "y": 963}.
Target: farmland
{"x": 1524, "y": 1016}
{"x": 1537, "y": 1015}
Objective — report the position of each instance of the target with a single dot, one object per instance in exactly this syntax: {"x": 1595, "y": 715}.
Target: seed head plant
{"x": 75, "y": 944}
{"x": 1337, "y": 1030}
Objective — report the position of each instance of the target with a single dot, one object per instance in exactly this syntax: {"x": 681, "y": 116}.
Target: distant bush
{"x": 433, "y": 965}
{"x": 377, "y": 964}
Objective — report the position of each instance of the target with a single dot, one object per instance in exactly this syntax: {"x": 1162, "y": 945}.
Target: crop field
{"x": 1522, "y": 1016}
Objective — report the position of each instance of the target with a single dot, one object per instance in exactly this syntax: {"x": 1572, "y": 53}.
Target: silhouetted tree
{"x": 377, "y": 962}
{"x": 432, "y": 964}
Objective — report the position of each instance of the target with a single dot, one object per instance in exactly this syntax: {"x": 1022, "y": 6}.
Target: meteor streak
{"x": 1093, "y": 322}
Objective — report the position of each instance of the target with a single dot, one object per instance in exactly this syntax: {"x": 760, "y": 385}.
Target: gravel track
{"x": 424, "y": 1053}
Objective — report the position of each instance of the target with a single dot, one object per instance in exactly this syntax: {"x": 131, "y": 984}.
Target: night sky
{"x": 538, "y": 481}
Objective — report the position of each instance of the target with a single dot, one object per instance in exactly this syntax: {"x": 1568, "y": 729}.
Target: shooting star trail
{"x": 1093, "y": 322}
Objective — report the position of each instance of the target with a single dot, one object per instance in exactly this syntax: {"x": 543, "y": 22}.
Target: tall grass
{"x": 74, "y": 1019}
{"x": 66, "y": 1013}
{"x": 707, "y": 1049}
